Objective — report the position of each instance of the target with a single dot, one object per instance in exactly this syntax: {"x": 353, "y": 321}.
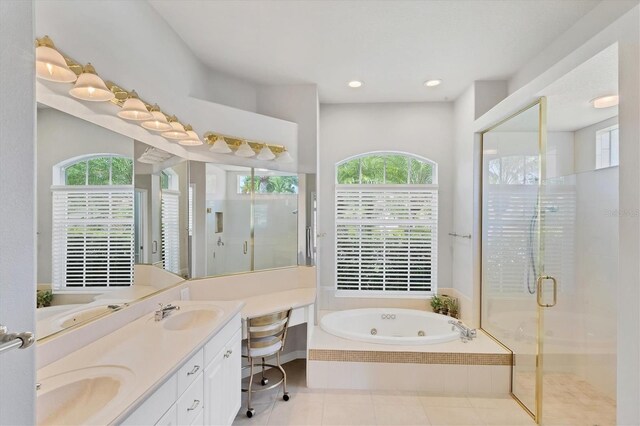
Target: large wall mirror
{"x": 112, "y": 220}
{"x": 119, "y": 220}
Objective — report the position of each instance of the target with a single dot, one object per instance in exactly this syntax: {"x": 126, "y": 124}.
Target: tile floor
{"x": 340, "y": 407}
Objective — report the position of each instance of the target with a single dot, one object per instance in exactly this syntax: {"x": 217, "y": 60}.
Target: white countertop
{"x": 144, "y": 350}
{"x": 279, "y": 300}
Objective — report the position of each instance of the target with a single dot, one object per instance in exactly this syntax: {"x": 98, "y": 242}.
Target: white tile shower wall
{"x": 445, "y": 379}
{"x": 350, "y": 129}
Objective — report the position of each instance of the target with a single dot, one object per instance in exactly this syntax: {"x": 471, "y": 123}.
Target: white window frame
{"x": 612, "y": 160}
{"x": 425, "y": 190}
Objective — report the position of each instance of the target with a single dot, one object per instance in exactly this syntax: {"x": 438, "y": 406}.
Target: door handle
{"x": 245, "y": 247}
{"x": 539, "y": 295}
{"x": 308, "y": 241}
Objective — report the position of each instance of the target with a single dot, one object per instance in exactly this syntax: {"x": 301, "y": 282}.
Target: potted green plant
{"x": 453, "y": 306}
{"x": 444, "y": 309}
{"x": 436, "y": 304}
{"x": 44, "y": 298}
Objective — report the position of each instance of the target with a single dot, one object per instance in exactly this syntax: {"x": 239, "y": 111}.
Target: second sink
{"x": 198, "y": 317}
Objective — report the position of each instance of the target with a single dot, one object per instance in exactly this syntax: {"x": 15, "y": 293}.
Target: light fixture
{"x": 158, "y": 122}
{"x": 244, "y": 150}
{"x": 354, "y": 84}
{"x": 50, "y": 64}
{"x": 153, "y": 155}
{"x": 433, "y": 83}
{"x": 220, "y": 146}
{"x": 192, "y": 140}
{"x": 177, "y": 131}
{"x": 605, "y": 101}
{"x": 90, "y": 87}
{"x": 266, "y": 154}
{"x": 134, "y": 109}
{"x": 285, "y": 157}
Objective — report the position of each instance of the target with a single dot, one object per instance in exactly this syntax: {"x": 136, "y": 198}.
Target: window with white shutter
{"x": 93, "y": 225}
{"x": 386, "y": 226}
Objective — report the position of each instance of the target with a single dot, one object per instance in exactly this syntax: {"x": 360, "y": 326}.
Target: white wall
{"x": 17, "y": 210}
{"x": 424, "y": 129}
{"x": 297, "y": 103}
{"x": 62, "y": 137}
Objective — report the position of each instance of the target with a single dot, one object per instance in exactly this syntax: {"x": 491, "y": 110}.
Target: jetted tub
{"x": 390, "y": 326}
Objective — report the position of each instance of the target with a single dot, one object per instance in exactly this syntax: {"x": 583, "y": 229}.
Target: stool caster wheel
{"x": 264, "y": 382}
{"x": 285, "y": 396}
{"x": 251, "y": 412}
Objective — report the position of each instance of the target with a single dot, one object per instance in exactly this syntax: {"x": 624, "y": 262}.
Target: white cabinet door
{"x": 170, "y": 418}
{"x": 233, "y": 377}
{"x": 214, "y": 391}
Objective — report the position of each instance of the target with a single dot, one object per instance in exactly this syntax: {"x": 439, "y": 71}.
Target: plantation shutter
{"x": 171, "y": 230}
{"x": 387, "y": 238}
{"x": 93, "y": 241}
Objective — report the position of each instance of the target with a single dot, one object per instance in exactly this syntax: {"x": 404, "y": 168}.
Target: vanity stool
{"x": 266, "y": 335}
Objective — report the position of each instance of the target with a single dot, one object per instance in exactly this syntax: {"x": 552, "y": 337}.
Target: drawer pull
{"x": 195, "y": 404}
{"x": 228, "y": 353}
{"x": 196, "y": 368}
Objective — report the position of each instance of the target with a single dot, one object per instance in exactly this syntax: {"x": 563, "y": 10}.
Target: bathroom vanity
{"x": 183, "y": 369}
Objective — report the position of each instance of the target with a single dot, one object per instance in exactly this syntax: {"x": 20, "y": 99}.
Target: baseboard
{"x": 284, "y": 358}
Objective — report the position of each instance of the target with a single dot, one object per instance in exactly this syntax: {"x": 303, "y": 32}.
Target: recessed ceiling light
{"x": 433, "y": 83}
{"x": 355, "y": 84}
{"x": 605, "y": 101}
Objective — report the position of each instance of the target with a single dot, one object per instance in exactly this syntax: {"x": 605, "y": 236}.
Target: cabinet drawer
{"x": 199, "y": 421}
{"x": 191, "y": 402}
{"x": 170, "y": 418}
{"x": 218, "y": 342}
{"x": 189, "y": 371}
{"x": 156, "y": 405}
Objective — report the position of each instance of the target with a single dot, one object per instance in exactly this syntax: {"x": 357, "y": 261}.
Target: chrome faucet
{"x": 466, "y": 333}
{"x": 165, "y": 311}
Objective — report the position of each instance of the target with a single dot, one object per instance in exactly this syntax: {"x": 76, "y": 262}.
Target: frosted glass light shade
{"x": 285, "y": 157}
{"x": 177, "y": 132}
{"x": 220, "y": 146}
{"x": 134, "y": 109}
{"x": 158, "y": 122}
{"x": 605, "y": 101}
{"x": 51, "y": 66}
{"x": 90, "y": 87}
{"x": 245, "y": 151}
{"x": 266, "y": 154}
{"x": 193, "y": 139}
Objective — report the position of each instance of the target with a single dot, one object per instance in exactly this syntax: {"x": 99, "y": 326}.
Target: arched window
{"x": 386, "y": 225}
{"x": 93, "y": 224}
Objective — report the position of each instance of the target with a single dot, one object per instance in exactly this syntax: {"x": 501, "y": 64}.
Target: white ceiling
{"x": 393, "y": 46}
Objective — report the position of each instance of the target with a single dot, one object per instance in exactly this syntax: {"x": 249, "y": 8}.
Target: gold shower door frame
{"x": 536, "y": 413}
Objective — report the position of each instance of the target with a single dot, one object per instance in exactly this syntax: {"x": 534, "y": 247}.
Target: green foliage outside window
{"x": 108, "y": 170}
{"x": 269, "y": 184}
{"x": 390, "y": 169}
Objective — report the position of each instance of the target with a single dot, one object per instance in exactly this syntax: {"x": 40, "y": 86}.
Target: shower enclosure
{"x": 549, "y": 263}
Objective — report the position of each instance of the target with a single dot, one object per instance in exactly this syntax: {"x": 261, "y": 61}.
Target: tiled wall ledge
{"x": 410, "y": 357}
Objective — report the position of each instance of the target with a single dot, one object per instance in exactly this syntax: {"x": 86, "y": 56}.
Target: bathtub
{"x": 390, "y": 326}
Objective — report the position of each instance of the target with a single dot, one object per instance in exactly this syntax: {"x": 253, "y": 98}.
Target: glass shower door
{"x": 510, "y": 244}
{"x": 579, "y": 250}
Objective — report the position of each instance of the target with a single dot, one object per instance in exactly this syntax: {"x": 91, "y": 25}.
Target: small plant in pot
{"x": 43, "y": 298}
{"x": 436, "y": 304}
{"x": 444, "y": 309}
{"x": 453, "y": 306}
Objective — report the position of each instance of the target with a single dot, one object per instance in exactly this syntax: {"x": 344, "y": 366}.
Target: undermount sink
{"x": 78, "y": 396}
{"x": 184, "y": 320}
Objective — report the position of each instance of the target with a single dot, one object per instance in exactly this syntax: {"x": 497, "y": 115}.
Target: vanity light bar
{"x": 121, "y": 95}
{"x": 235, "y": 142}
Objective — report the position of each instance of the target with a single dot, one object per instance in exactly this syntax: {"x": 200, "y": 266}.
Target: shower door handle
{"x": 540, "y": 293}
